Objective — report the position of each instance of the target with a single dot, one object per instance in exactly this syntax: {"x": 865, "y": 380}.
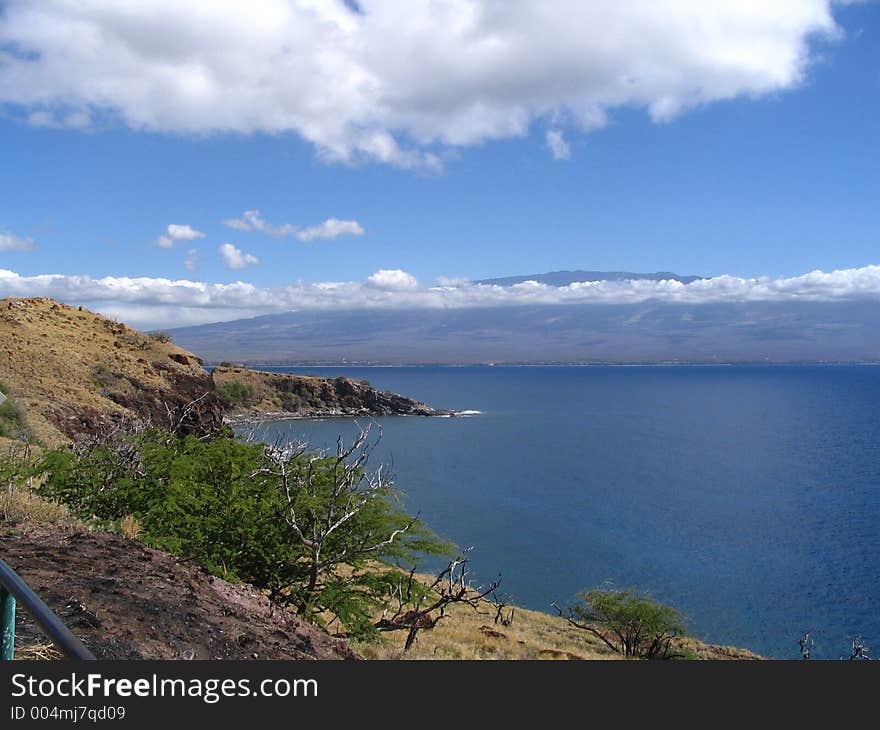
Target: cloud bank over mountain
{"x": 158, "y": 302}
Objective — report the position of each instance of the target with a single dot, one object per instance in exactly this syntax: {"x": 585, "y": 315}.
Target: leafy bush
{"x": 629, "y": 622}
{"x": 307, "y": 527}
{"x": 235, "y": 394}
{"x": 12, "y": 423}
{"x": 161, "y": 336}
{"x": 18, "y": 501}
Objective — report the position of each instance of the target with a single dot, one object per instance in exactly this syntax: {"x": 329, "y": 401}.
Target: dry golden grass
{"x": 466, "y": 634}
{"x": 18, "y": 501}
{"x": 59, "y": 361}
{"x": 24, "y": 506}
{"x": 130, "y": 527}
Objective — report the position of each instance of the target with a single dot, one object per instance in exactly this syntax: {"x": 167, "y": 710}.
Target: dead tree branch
{"x": 421, "y": 607}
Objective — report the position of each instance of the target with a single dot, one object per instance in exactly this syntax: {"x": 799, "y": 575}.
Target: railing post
{"x": 7, "y": 625}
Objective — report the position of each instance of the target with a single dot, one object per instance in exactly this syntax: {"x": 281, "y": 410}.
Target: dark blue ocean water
{"x": 748, "y": 497}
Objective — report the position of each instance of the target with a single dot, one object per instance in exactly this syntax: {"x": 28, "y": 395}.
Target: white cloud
{"x": 392, "y": 280}
{"x": 177, "y": 232}
{"x": 191, "y": 262}
{"x": 184, "y": 301}
{"x": 353, "y": 83}
{"x": 560, "y": 149}
{"x": 11, "y": 242}
{"x": 331, "y": 228}
{"x": 183, "y": 232}
{"x": 234, "y": 258}
{"x": 251, "y": 220}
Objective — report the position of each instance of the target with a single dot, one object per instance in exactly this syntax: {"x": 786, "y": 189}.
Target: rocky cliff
{"x": 251, "y": 393}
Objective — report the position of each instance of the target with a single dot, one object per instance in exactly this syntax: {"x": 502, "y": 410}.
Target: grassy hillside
{"x": 67, "y": 369}
{"x": 467, "y": 634}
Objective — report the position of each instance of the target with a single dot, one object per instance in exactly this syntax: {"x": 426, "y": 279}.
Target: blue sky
{"x": 757, "y": 182}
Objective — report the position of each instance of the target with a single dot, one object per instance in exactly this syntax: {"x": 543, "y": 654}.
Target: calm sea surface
{"x": 748, "y": 497}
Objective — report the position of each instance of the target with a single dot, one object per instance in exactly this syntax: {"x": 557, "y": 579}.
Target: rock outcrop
{"x": 251, "y": 394}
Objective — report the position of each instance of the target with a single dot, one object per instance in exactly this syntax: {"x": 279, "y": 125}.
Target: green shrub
{"x": 235, "y": 394}
{"x": 12, "y": 421}
{"x": 629, "y": 622}
{"x": 250, "y": 513}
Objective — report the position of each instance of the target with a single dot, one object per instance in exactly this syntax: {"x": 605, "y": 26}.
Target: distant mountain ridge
{"x": 567, "y": 333}
{"x": 566, "y": 278}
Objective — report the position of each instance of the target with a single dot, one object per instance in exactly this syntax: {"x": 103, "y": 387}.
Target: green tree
{"x": 348, "y": 522}
{"x": 628, "y": 622}
{"x": 235, "y": 394}
{"x": 316, "y": 531}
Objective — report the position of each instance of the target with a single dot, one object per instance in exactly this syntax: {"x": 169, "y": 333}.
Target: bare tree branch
{"x": 423, "y": 609}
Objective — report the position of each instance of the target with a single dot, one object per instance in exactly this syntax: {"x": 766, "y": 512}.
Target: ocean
{"x": 746, "y": 496}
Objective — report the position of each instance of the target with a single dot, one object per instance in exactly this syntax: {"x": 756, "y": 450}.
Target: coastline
{"x": 283, "y": 367}
{"x": 255, "y": 419}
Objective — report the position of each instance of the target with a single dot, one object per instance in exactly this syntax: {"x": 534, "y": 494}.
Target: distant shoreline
{"x": 342, "y": 366}
{"x": 256, "y": 419}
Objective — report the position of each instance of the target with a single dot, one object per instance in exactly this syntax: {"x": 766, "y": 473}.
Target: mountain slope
{"x": 647, "y": 332}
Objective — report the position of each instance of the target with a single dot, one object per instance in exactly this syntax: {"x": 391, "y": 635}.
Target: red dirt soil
{"x": 127, "y": 601}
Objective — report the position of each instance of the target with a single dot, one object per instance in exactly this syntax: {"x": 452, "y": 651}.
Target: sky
{"x": 170, "y": 162}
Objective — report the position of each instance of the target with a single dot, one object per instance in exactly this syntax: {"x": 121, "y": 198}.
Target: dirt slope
{"x": 70, "y": 369}
{"x": 127, "y": 601}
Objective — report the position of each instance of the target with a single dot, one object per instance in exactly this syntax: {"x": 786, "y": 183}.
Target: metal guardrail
{"x": 13, "y": 589}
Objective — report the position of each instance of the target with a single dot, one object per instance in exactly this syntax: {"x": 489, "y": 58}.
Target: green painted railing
{"x": 13, "y": 591}
{"x": 7, "y": 623}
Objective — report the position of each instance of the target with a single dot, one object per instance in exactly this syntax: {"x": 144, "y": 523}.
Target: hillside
{"x": 71, "y": 370}
{"x": 249, "y": 393}
{"x": 128, "y": 601}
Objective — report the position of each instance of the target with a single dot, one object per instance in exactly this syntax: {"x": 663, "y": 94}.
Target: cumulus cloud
{"x": 331, "y": 228}
{"x": 176, "y": 232}
{"x": 251, "y": 220}
{"x": 11, "y": 242}
{"x": 351, "y": 80}
{"x": 392, "y": 280}
{"x": 183, "y": 232}
{"x": 559, "y": 148}
{"x": 234, "y": 258}
{"x": 155, "y": 301}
